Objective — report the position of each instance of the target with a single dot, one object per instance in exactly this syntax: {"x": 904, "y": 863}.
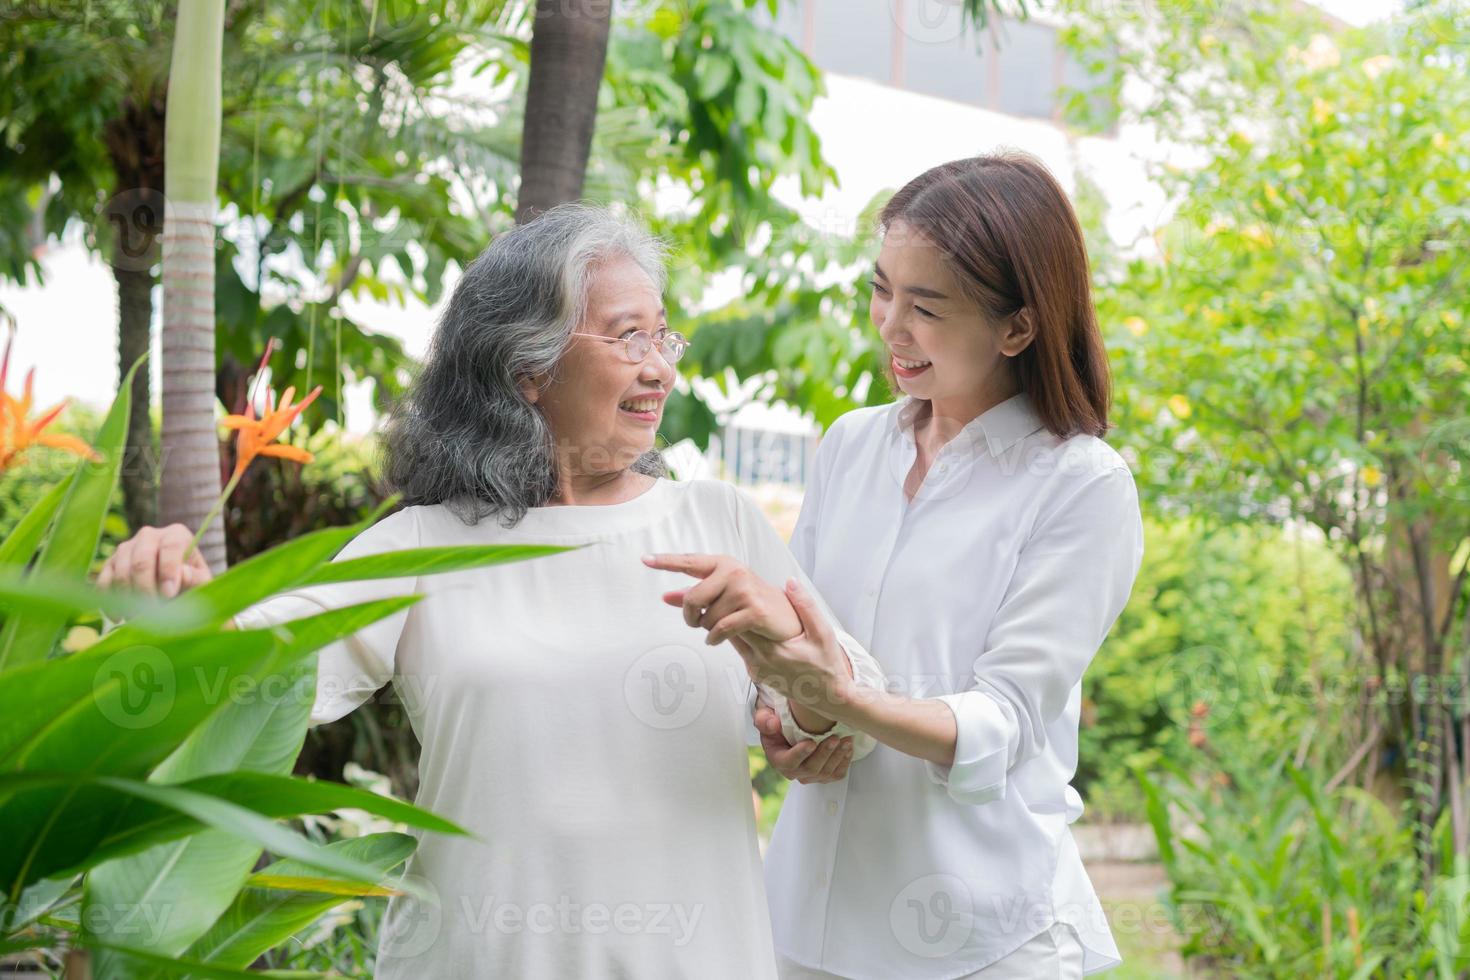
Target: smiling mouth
{"x": 909, "y": 369}
{"x": 644, "y": 409}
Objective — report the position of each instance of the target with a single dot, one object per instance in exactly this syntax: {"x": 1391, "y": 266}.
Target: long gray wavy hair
{"x": 464, "y": 435}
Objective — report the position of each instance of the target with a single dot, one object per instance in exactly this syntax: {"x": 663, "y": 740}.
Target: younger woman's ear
{"x": 1020, "y": 332}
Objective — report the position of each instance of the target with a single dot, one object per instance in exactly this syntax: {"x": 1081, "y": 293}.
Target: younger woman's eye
{"x": 920, "y": 309}
{"x": 878, "y": 286}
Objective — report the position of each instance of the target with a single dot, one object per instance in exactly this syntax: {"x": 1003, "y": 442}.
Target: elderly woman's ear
{"x": 531, "y": 386}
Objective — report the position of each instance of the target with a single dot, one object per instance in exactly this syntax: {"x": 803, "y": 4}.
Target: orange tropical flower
{"x": 258, "y": 436}
{"x": 19, "y": 433}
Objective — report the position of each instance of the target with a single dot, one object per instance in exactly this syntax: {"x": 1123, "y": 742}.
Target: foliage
{"x": 1233, "y": 637}
{"x": 145, "y": 774}
{"x": 1297, "y": 350}
{"x": 1273, "y": 876}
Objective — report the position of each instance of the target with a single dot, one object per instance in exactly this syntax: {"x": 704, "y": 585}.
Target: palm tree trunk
{"x": 134, "y": 331}
{"x": 134, "y": 224}
{"x": 190, "y": 452}
{"x": 568, "y": 51}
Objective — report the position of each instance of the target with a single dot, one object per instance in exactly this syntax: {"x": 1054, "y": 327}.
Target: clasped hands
{"x": 786, "y": 643}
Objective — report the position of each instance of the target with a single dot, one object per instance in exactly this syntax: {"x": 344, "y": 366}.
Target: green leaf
{"x": 261, "y": 917}
{"x": 23, "y": 540}
{"x": 172, "y": 966}
{"x": 186, "y": 884}
{"x": 427, "y": 561}
{"x": 41, "y": 593}
{"x": 139, "y": 815}
{"x": 73, "y": 542}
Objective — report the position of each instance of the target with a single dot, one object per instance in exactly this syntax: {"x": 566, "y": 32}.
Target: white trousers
{"x": 1055, "y": 954}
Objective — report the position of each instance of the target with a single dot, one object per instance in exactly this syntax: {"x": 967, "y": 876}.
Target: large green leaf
{"x": 259, "y": 918}
{"x": 103, "y": 728}
{"x": 173, "y": 966}
{"x": 72, "y": 544}
{"x": 122, "y": 712}
{"x": 182, "y": 886}
{"x": 41, "y": 593}
{"x": 21, "y": 543}
{"x": 140, "y": 814}
{"x": 428, "y": 561}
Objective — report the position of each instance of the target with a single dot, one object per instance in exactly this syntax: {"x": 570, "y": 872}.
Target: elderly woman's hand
{"x": 152, "y": 561}
{"x": 729, "y": 599}
{"x": 806, "y": 761}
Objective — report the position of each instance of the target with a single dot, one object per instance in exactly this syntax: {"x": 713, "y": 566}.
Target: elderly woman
{"x": 589, "y": 737}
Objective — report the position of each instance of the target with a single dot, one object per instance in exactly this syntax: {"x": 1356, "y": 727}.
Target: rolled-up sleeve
{"x": 350, "y": 670}
{"x": 1071, "y": 582}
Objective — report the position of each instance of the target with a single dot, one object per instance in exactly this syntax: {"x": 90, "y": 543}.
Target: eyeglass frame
{"x": 653, "y": 342}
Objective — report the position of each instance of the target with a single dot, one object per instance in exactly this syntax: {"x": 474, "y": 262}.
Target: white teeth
{"x": 648, "y": 405}
{"x": 912, "y": 365}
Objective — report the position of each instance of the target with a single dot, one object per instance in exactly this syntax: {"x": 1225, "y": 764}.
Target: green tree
{"x": 1297, "y": 349}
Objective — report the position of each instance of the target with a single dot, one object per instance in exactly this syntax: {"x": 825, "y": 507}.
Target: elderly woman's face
{"x": 602, "y": 407}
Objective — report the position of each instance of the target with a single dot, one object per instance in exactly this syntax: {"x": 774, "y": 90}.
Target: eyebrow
{"x": 923, "y": 291}
{"x": 617, "y": 318}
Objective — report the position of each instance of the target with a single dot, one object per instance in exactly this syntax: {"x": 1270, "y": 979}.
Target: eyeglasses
{"x": 637, "y": 344}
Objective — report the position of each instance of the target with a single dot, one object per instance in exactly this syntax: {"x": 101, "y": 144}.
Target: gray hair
{"x": 464, "y": 434}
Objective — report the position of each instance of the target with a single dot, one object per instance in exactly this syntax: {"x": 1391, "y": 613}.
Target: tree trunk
{"x": 134, "y": 331}
{"x": 191, "y": 459}
{"x": 132, "y": 225}
{"x": 568, "y": 51}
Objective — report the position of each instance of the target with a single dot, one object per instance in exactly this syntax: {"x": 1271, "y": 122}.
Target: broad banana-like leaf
{"x": 260, "y": 917}
{"x": 72, "y": 544}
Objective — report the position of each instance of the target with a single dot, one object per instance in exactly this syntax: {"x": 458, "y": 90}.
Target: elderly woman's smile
{"x": 645, "y": 408}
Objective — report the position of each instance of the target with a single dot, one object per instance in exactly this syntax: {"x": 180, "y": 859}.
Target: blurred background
{"x": 1274, "y": 737}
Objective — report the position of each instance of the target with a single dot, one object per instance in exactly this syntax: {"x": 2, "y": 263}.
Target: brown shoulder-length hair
{"x": 1009, "y": 234}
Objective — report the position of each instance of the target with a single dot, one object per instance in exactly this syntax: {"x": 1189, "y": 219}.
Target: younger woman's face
{"x": 941, "y": 347}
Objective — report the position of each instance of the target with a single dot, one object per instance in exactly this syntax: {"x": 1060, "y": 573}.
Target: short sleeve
{"x": 1071, "y": 582}
{"x": 352, "y": 669}
{"x": 768, "y": 557}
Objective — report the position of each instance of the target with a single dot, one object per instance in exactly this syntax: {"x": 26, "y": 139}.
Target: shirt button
{"x": 832, "y": 807}
{"x": 822, "y": 879}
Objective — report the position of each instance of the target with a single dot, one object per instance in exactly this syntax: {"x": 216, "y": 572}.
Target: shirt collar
{"x": 1003, "y": 425}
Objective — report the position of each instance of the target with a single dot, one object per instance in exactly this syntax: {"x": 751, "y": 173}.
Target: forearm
{"x": 921, "y": 727}
{"x": 809, "y": 720}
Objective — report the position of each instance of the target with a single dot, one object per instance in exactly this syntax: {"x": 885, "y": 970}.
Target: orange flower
{"x": 18, "y": 433}
{"x": 258, "y": 436}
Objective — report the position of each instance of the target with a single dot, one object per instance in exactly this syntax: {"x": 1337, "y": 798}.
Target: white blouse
{"x": 991, "y": 592}
{"x": 589, "y": 739}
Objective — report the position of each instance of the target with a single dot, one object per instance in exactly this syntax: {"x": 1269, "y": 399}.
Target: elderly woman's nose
{"x": 656, "y": 367}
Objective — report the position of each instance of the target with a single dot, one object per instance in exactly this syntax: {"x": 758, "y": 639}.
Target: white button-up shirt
{"x": 991, "y": 591}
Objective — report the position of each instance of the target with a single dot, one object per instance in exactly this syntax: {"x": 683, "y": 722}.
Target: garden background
{"x": 1274, "y": 739}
